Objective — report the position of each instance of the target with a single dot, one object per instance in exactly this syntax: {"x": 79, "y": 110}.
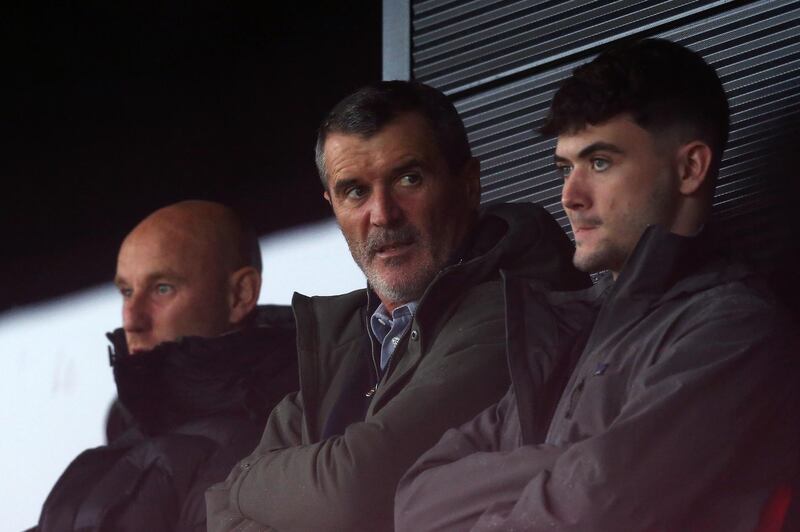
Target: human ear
{"x": 327, "y": 197}
{"x": 245, "y": 286}
{"x": 694, "y": 162}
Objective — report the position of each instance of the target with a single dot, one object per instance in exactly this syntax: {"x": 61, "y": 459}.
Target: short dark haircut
{"x": 369, "y": 109}
{"x": 661, "y": 84}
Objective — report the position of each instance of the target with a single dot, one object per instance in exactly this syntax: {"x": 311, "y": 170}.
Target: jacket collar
{"x": 522, "y": 240}
{"x": 194, "y": 377}
{"x": 659, "y": 260}
{"x": 664, "y": 265}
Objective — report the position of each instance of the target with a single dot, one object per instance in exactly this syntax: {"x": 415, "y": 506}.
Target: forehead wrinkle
{"x": 387, "y": 150}
{"x": 412, "y": 163}
{"x": 345, "y": 164}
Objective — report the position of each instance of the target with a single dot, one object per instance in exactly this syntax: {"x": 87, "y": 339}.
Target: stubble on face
{"x": 407, "y": 283}
{"x": 400, "y": 232}
{"x": 622, "y": 232}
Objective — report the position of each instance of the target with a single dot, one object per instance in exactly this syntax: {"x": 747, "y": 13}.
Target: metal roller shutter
{"x": 500, "y": 61}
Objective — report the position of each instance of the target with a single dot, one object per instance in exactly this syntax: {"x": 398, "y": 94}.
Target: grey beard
{"x": 404, "y": 289}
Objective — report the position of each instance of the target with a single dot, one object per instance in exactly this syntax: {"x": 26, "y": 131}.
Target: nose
{"x": 135, "y": 315}
{"x": 574, "y": 194}
{"x": 385, "y": 211}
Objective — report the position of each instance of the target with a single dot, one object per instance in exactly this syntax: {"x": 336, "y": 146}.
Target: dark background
{"x": 112, "y": 110}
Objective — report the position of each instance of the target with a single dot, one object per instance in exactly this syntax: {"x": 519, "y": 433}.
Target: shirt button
{"x": 414, "y": 334}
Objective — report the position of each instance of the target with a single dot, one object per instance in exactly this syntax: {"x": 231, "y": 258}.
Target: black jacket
{"x": 680, "y": 413}
{"x": 192, "y": 409}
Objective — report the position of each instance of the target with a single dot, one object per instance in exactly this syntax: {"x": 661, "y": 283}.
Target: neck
{"x": 690, "y": 216}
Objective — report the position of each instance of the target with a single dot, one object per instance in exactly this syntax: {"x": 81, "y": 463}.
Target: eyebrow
{"x": 168, "y": 275}
{"x": 406, "y": 166}
{"x": 591, "y": 149}
{"x": 340, "y": 186}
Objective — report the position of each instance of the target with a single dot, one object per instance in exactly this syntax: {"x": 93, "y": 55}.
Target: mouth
{"x": 582, "y": 225}
{"x": 584, "y": 229}
{"x": 135, "y": 346}
{"x": 136, "y": 350}
{"x": 392, "y": 249}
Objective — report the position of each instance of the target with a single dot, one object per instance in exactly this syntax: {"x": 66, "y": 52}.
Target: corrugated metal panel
{"x": 460, "y": 45}
{"x": 756, "y": 49}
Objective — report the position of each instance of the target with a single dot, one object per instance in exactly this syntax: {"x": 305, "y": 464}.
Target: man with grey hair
{"x": 384, "y": 371}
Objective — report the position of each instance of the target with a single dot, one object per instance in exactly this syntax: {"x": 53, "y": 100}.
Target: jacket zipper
{"x": 444, "y": 271}
{"x": 374, "y": 387}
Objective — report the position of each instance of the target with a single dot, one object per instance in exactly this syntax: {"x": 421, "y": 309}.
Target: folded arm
{"x": 348, "y": 482}
{"x": 713, "y": 411}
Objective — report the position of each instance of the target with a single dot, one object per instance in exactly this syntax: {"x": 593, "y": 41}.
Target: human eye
{"x": 563, "y": 170}
{"x": 355, "y": 192}
{"x": 352, "y": 191}
{"x": 600, "y": 165}
{"x": 164, "y": 289}
{"x": 409, "y": 180}
{"x": 125, "y": 291}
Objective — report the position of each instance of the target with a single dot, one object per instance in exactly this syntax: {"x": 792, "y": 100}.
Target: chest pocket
{"x": 594, "y": 400}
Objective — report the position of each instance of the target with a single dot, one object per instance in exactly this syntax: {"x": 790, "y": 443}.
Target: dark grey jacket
{"x": 193, "y": 407}
{"x": 680, "y": 415}
{"x": 445, "y": 371}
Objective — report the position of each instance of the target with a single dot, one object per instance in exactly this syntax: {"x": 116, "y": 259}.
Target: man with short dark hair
{"x": 664, "y": 397}
{"x": 197, "y": 367}
{"x": 384, "y": 371}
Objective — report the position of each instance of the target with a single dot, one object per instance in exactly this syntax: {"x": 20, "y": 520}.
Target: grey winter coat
{"x": 680, "y": 414}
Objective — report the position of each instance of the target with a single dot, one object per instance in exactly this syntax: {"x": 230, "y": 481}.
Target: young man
{"x": 197, "y": 366}
{"x": 680, "y": 408}
{"x": 385, "y": 371}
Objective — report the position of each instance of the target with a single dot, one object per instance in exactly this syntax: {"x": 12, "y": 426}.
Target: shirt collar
{"x": 381, "y": 322}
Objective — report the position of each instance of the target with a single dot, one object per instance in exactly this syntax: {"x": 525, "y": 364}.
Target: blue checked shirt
{"x": 389, "y": 330}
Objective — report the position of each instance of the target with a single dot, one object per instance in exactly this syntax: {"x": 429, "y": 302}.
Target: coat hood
{"x": 521, "y": 240}
{"x": 524, "y": 240}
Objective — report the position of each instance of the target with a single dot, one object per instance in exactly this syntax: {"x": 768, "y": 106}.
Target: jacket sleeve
{"x": 239, "y": 440}
{"x": 128, "y": 488}
{"x": 284, "y": 430}
{"x": 154, "y": 506}
{"x": 468, "y": 466}
{"x": 348, "y": 482}
{"x": 715, "y": 409}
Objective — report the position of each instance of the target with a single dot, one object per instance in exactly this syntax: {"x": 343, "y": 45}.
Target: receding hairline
{"x": 231, "y": 240}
